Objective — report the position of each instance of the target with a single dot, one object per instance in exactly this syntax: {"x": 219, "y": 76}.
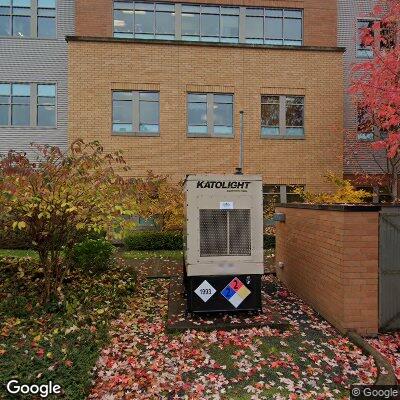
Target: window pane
{"x": 270, "y": 131}
{"x": 122, "y": 95}
{"x": 45, "y": 12}
{"x": 4, "y": 114}
{"x": 270, "y": 115}
{"x": 47, "y": 90}
{"x": 20, "y": 89}
{"x": 230, "y": 10}
{"x": 122, "y": 127}
{"x": 5, "y": 25}
{"x": 46, "y": 27}
{"x": 229, "y": 26}
{"x": 294, "y": 115}
{"x": 190, "y": 9}
{"x": 22, "y": 26}
{"x": 223, "y": 115}
{"x": 197, "y": 114}
{"x": 122, "y": 5}
{"x": 223, "y": 98}
{"x": 21, "y": 3}
{"x": 209, "y": 25}
{"x": 255, "y": 12}
{"x": 190, "y": 24}
{"x": 273, "y": 13}
{"x": 273, "y": 28}
{"x": 293, "y": 14}
{"x": 149, "y": 96}
{"x": 5, "y": 3}
{"x": 292, "y": 29}
{"x": 165, "y": 23}
{"x": 123, "y": 21}
{"x": 20, "y": 115}
{"x": 295, "y": 131}
{"x": 149, "y": 113}
{"x": 122, "y": 111}
{"x": 5, "y": 89}
{"x": 144, "y": 21}
{"x": 46, "y": 101}
{"x": 165, "y": 7}
{"x": 46, "y": 116}
{"x": 197, "y": 97}
{"x": 47, "y": 3}
{"x": 254, "y": 27}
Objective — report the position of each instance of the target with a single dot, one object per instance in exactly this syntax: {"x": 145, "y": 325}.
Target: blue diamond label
{"x": 205, "y": 291}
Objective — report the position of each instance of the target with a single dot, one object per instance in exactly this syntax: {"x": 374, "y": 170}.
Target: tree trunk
{"x": 44, "y": 262}
{"x": 395, "y": 187}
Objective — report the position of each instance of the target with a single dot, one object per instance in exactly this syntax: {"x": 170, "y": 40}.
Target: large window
{"x": 208, "y": 23}
{"x": 210, "y": 114}
{"x": 136, "y": 112}
{"x": 282, "y": 116}
{"x": 274, "y": 26}
{"x": 26, "y": 18}
{"x": 24, "y": 104}
{"x": 144, "y": 20}
{"x": 363, "y": 50}
{"x": 274, "y": 194}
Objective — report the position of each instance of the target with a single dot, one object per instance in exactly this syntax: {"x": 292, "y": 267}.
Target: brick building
{"x": 165, "y": 82}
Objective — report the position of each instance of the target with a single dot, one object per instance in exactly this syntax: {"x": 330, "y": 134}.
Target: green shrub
{"x": 95, "y": 255}
{"x": 269, "y": 241}
{"x": 154, "y": 240}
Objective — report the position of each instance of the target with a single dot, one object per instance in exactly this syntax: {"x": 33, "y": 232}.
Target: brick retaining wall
{"x": 330, "y": 260}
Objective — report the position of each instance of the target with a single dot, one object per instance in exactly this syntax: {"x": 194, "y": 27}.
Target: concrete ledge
{"x": 381, "y": 362}
{"x": 71, "y": 38}
{"x": 334, "y": 207}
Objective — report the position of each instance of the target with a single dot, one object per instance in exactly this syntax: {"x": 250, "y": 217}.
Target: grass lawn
{"x": 175, "y": 255}
{"x": 18, "y": 253}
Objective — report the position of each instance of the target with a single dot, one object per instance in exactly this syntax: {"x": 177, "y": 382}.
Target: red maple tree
{"x": 375, "y": 88}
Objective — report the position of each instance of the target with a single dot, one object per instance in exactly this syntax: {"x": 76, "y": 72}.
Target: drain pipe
{"x": 239, "y": 169}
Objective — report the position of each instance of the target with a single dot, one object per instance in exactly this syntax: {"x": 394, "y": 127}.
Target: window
{"x": 362, "y": 49}
{"x": 24, "y": 104}
{"x": 210, "y": 114}
{"x": 208, "y": 23}
{"x": 144, "y": 20}
{"x": 282, "y": 116}
{"x": 20, "y": 18}
{"x": 46, "y": 105}
{"x": 46, "y": 19}
{"x": 274, "y": 26}
{"x": 366, "y": 130}
{"x": 281, "y": 194}
{"x": 136, "y": 112}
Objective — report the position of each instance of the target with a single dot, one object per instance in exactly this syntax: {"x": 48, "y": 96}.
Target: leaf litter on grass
{"x": 309, "y": 360}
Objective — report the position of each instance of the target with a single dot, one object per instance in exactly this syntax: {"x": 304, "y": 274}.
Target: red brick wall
{"x": 95, "y": 17}
{"x": 331, "y": 261}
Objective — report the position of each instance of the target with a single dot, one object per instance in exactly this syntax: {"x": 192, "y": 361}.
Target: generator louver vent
{"x": 225, "y": 232}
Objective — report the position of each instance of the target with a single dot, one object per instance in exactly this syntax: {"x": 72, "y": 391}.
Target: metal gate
{"x": 389, "y": 269}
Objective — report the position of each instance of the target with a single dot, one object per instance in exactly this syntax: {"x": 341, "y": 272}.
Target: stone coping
{"x": 74, "y": 38}
{"x": 338, "y": 207}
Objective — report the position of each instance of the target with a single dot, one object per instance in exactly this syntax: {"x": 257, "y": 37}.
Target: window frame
{"x": 33, "y": 106}
{"x": 283, "y": 191}
{"x": 135, "y": 114}
{"x": 282, "y": 118}
{"x": 199, "y": 10}
{"x": 210, "y": 102}
{"x": 34, "y": 19}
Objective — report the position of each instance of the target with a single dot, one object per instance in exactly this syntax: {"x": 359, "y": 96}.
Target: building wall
{"x": 98, "y": 67}
{"x": 331, "y": 261}
{"x": 95, "y": 17}
{"x": 349, "y": 11}
{"x": 30, "y": 60}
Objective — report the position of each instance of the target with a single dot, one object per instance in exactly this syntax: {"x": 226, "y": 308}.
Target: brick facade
{"x": 331, "y": 261}
{"x": 98, "y": 67}
{"x": 95, "y": 17}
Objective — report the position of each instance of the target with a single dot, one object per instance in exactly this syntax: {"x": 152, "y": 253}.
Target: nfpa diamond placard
{"x": 235, "y": 292}
{"x": 205, "y": 291}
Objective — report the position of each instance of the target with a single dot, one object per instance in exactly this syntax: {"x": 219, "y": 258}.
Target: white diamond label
{"x": 205, "y": 291}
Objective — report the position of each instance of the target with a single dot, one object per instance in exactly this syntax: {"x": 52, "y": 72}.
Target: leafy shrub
{"x": 93, "y": 254}
{"x": 269, "y": 241}
{"x": 345, "y": 193}
{"x": 154, "y": 240}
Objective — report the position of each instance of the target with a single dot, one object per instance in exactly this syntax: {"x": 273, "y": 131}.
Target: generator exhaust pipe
{"x": 239, "y": 169}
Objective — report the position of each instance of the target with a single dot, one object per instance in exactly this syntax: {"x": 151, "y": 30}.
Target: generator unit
{"x": 223, "y": 243}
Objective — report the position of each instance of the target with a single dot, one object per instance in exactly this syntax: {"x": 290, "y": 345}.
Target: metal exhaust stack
{"x": 239, "y": 169}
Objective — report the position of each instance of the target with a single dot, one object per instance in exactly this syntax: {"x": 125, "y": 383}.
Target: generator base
{"x": 223, "y": 293}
